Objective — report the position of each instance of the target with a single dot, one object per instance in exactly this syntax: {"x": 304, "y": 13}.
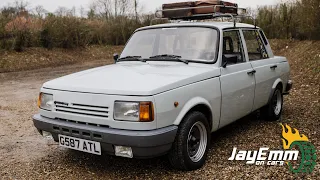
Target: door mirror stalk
{"x": 115, "y": 57}
{"x": 224, "y": 61}
{"x": 224, "y": 64}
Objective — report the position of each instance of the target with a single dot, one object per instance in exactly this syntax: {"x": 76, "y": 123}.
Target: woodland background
{"x": 111, "y": 22}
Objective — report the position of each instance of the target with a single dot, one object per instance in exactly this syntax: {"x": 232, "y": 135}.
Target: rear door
{"x": 237, "y": 80}
{"x": 263, "y": 62}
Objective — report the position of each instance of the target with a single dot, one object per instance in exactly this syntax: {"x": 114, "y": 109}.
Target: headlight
{"x": 133, "y": 111}
{"x": 45, "y": 101}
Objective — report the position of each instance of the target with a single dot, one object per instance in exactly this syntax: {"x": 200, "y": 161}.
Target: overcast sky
{"x": 148, "y": 5}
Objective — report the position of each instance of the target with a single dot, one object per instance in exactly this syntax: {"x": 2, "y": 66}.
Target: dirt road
{"x": 24, "y": 154}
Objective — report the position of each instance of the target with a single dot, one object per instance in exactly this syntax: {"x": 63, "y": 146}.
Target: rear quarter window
{"x": 264, "y": 38}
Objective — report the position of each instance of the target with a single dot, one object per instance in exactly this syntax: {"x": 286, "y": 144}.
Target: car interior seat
{"x": 228, "y": 51}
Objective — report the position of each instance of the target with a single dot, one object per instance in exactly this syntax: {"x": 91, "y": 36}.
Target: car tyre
{"x": 273, "y": 110}
{"x": 190, "y": 148}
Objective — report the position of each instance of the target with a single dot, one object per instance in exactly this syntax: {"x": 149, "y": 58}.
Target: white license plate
{"x": 80, "y": 144}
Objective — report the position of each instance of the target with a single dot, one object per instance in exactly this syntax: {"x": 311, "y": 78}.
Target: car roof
{"x": 219, "y": 25}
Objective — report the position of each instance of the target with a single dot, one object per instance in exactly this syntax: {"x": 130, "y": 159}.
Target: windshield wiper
{"x": 131, "y": 58}
{"x": 168, "y": 57}
{"x": 165, "y": 56}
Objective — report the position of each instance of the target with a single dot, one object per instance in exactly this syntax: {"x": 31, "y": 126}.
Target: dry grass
{"x": 35, "y": 58}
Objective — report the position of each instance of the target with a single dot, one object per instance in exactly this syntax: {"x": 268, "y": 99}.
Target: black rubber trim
{"x": 86, "y": 114}
{"x": 130, "y": 138}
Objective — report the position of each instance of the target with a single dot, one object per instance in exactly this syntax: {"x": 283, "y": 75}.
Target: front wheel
{"x": 189, "y": 150}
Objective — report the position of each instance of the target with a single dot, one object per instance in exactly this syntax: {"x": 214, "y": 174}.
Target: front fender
{"x": 189, "y": 105}
{"x": 206, "y": 92}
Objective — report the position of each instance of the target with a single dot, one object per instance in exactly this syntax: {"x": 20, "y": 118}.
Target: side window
{"x": 232, "y": 47}
{"x": 255, "y": 45}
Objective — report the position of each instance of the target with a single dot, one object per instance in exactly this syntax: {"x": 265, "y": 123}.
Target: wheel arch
{"x": 278, "y": 82}
{"x": 196, "y": 104}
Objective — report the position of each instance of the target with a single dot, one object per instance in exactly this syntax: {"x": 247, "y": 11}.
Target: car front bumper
{"x": 144, "y": 144}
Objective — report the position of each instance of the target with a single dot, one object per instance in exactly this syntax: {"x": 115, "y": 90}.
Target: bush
{"x": 65, "y": 32}
{"x": 68, "y": 32}
{"x": 297, "y": 20}
{"x": 5, "y": 43}
{"x": 19, "y": 29}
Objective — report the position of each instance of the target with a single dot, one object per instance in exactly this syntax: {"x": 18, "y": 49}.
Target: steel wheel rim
{"x": 197, "y": 141}
{"x": 277, "y": 103}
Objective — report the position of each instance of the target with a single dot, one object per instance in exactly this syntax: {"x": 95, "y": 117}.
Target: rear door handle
{"x": 252, "y": 72}
{"x": 273, "y": 67}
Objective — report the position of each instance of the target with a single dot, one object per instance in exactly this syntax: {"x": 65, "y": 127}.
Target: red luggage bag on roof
{"x": 178, "y": 13}
{"x": 232, "y": 10}
{"x": 205, "y": 10}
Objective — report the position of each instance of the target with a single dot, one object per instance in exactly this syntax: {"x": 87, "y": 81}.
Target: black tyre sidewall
{"x": 271, "y": 116}
{"x": 179, "y": 156}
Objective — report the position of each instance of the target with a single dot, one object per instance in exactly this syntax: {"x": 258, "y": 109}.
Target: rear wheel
{"x": 273, "y": 110}
{"x": 189, "y": 150}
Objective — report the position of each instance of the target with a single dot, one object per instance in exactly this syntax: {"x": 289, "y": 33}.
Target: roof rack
{"x": 210, "y": 16}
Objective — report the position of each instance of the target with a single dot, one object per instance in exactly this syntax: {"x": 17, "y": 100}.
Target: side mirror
{"x": 224, "y": 64}
{"x": 115, "y": 57}
{"x": 224, "y": 61}
{"x": 230, "y": 59}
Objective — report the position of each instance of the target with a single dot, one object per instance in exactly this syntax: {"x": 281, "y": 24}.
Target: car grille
{"x": 82, "y": 123}
{"x": 81, "y": 109}
{"x": 77, "y": 132}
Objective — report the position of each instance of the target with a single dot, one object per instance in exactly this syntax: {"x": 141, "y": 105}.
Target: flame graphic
{"x": 289, "y": 137}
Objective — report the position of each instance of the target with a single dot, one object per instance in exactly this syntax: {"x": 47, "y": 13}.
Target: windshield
{"x": 191, "y": 43}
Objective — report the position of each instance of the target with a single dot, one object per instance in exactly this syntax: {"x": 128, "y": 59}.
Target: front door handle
{"x": 252, "y": 72}
{"x": 273, "y": 67}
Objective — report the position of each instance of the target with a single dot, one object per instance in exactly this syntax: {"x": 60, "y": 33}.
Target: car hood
{"x": 128, "y": 78}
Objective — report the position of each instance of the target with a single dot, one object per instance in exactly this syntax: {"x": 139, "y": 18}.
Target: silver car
{"x": 172, "y": 86}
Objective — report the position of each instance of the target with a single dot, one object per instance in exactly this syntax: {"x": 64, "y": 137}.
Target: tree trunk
{"x": 136, "y": 9}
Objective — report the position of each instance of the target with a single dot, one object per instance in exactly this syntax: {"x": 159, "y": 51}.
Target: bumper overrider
{"x": 144, "y": 144}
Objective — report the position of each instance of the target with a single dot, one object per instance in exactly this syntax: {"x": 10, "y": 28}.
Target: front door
{"x": 237, "y": 80}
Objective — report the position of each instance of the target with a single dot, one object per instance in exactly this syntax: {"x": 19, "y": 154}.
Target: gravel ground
{"x": 24, "y": 154}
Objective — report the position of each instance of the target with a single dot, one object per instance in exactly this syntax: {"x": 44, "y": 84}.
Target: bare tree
{"x": 82, "y": 12}
{"x": 92, "y": 11}
{"x": 40, "y": 11}
{"x": 73, "y": 11}
{"x": 123, "y": 6}
{"x": 103, "y": 7}
{"x": 114, "y": 8}
{"x": 136, "y": 9}
{"x": 21, "y": 5}
{"x": 63, "y": 11}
